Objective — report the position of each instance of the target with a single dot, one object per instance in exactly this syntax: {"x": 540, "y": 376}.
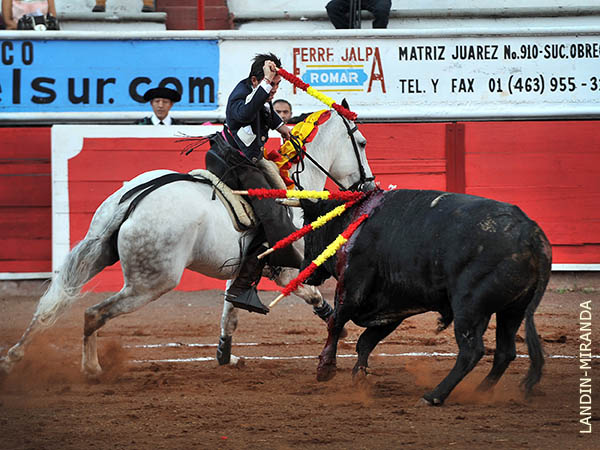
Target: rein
{"x": 304, "y": 154}
{"x": 301, "y": 151}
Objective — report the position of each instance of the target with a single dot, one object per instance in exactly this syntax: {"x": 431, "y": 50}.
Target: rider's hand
{"x": 270, "y": 70}
{"x": 284, "y": 131}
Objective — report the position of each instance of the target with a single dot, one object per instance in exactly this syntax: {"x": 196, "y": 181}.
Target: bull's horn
{"x": 289, "y": 202}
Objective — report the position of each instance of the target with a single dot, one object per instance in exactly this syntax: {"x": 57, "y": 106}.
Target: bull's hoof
{"x": 326, "y": 372}
{"x": 430, "y": 400}
{"x": 359, "y": 375}
{"x": 484, "y": 386}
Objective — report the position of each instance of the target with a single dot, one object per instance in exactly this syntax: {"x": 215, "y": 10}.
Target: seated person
{"x": 339, "y": 12}
{"x": 13, "y": 10}
{"x": 100, "y": 6}
{"x": 161, "y": 99}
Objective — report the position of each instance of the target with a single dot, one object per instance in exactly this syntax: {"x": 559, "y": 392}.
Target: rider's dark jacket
{"x": 248, "y": 119}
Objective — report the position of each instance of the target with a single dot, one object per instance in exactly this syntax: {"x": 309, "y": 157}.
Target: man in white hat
{"x": 161, "y": 99}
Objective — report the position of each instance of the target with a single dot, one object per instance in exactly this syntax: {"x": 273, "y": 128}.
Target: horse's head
{"x": 339, "y": 147}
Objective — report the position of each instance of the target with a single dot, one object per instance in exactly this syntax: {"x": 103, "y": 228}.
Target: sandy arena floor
{"x": 156, "y": 398}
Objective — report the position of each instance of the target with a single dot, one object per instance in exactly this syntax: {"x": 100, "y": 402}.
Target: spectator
{"x": 100, "y": 6}
{"x": 13, "y": 10}
{"x": 339, "y": 12}
{"x": 161, "y": 99}
{"x": 284, "y": 109}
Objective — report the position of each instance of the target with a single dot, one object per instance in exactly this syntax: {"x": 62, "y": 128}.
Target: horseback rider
{"x": 249, "y": 117}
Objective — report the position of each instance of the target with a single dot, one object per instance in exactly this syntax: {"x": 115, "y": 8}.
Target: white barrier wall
{"x": 437, "y": 76}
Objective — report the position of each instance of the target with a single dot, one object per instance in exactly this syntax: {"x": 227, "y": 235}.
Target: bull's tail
{"x": 95, "y": 252}
{"x": 543, "y": 251}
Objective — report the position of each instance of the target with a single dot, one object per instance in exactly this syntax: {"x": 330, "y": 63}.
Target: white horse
{"x": 179, "y": 226}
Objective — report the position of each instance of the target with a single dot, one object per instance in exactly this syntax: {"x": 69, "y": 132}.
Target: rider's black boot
{"x": 242, "y": 292}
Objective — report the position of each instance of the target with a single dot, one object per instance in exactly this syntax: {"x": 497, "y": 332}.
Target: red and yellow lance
{"x": 319, "y": 195}
{"x": 324, "y": 256}
{"x": 350, "y": 197}
{"x": 319, "y": 222}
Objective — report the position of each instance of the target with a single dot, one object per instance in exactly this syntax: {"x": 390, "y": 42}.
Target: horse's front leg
{"x": 310, "y": 294}
{"x": 229, "y": 321}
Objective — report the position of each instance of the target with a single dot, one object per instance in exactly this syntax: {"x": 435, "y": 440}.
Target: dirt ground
{"x": 152, "y": 398}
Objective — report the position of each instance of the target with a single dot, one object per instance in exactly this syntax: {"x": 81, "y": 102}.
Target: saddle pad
{"x": 240, "y": 211}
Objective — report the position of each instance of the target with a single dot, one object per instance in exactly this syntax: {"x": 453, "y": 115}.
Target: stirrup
{"x": 249, "y": 301}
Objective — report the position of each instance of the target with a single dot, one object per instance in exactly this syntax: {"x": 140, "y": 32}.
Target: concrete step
{"x": 111, "y": 21}
{"x": 122, "y": 15}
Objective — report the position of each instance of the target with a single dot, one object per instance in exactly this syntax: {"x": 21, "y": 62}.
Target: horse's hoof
{"x": 238, "y": 363}
{"x": 5, "y": 366}
{"x": 92, "y": 373}
{"x": 423, "y": 402}
{"x": 428, "y": 400}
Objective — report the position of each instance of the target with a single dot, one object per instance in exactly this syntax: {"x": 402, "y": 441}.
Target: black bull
{"x": 463, "y": 256}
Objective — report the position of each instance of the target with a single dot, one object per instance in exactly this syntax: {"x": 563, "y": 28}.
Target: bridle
{"x": 301, "y": 151}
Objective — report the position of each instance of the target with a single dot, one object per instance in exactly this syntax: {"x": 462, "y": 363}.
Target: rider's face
{"x": 274, "y": 84}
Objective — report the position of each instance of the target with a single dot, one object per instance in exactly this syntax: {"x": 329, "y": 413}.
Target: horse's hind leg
{"x": 85, "y": 260}
{"x": 17, "y": 351}
{"x": 123, "y": 302}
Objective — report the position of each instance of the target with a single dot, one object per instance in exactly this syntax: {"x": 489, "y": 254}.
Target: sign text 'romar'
{"x": 348, "y": 69}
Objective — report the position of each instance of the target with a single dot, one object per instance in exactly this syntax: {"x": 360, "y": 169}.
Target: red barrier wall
{"x": 550, "y": 169}
{"x": 25, "y": 200}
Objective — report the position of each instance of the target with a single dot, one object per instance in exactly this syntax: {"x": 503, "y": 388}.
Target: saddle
{"x": 224, "y": 180}
{"x": 240, "y": 211}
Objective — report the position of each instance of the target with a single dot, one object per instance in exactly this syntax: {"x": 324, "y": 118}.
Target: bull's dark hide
{"x": 466, "y": 257}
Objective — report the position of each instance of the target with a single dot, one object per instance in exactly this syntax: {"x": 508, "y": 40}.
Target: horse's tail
{"x": 89, "y": 257}
{"x": 534, "y": 348}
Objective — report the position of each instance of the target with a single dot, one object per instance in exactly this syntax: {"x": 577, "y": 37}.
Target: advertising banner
{"x": 89, "y": 76}
{"x": 440, "y": 78}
